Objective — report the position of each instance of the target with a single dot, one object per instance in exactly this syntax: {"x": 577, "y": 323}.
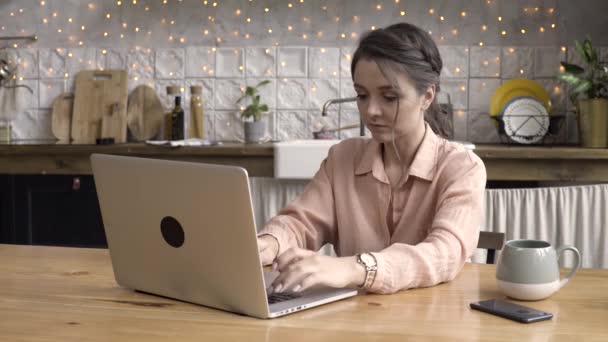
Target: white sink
{"x": 300, "y": 159}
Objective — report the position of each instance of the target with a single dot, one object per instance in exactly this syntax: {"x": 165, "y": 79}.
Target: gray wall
{"x": 187, "y": 42}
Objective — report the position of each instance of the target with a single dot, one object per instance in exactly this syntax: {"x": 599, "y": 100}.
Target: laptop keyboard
{"x": 281, "y": 297}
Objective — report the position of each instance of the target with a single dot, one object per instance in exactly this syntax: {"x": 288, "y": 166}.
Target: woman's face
{"x": 377, "y": 102}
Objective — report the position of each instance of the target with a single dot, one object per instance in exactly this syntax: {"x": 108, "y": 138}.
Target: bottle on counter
{"x": 196, "y": 127}
{"x": 177, "y": 120}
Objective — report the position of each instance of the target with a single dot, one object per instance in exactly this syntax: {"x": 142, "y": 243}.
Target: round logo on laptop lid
{"x": 172, "y": 231}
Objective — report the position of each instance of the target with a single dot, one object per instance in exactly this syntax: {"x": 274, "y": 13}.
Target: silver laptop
{"x": 186, "y": 231}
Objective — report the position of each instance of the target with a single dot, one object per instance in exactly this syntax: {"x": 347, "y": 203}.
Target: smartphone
{"x": 511, "y": 311}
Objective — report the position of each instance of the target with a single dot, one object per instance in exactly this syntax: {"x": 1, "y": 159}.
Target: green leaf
{"x": 570, "y": 79}
{"x": 572, "y": 68}
{"x": 250, "y": 91}
{"x": 590, "y": 52}
{"x": 264, "y": 108}
{"x": 263, "y": 83}
{"x": 582, "y": 87}
{"x": 581, "y": 51}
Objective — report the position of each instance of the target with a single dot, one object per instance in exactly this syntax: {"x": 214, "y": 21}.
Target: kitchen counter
{"x": 503, "y": 162}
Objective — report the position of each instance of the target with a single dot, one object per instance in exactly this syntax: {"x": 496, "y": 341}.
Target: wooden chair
{"x": 492, "y": 242}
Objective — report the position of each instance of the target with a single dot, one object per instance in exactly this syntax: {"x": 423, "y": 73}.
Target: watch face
{"x": 368, "y": 260}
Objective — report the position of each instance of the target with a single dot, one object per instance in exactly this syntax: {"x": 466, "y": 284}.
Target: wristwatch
{"x": 368, "y": 261}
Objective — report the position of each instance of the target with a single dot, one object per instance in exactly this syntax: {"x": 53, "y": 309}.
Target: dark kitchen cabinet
{"x": 53, "y": 210}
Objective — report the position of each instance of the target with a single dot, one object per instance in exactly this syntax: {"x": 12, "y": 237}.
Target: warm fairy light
{"x": 137, "y": 29}
{"x": 266, "y": 9}
{"x": 379, "y": 7}
{"x": 42, "y": 3}
{"x": 484, "y": 27}
{"x": 54, "y": 14}
{"x": 521, "y": 71}
{"x": 551, "y": 10}
{"x": 290, "y": 27}
{"x": 485, "y": 63}
{"x": 105, "y": 34}
{"x": 557, "y": 90}
{"x": 248, "y": 20}
{"x": 431, "y": 11}
{"x": 511, "y": 50}
{"x": 463, "y": 88}
{"x": 504, "y": 33}
{"x": 289, "y": 5}
{"x": 206, "y": 32}
{"x": 124, "y": 25}
{"x": 171, "y": 38}
{"x": 80, "y": 43}
{"x": 480, "y": 43}
{"x": 70, "y": 20}
{"x": 561, "y": 68}
{"x": 83, "y": 27}
{"x": 552, "y": 25}
{"x": 304, "y": 36}
{"x": 103, "y": 52}
{"x": 343, "y": 35}
{"x": 108, "y": 15}
{"x": 563, "y": 49}
{"x": 45, "y": 20}
{"x": 442, "y": 18}
{"x": 118, "y": 3}
{"x": 499, "y": 18}
{"x": 373, "y": 27}
{"x": 269, "y": 30}
{"x": 523, "y": 31}
{"x": 455, "y": 32}
{"x": 59, "y": 30}
{"x": 463, "y": 14}
{"x": 402, "y": 13}
{"x": 541, "y": 29}
{"x": 237, "y": 12}
{"x": 457, "y": 70}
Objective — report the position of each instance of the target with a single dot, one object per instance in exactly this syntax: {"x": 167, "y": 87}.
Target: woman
{"x": 402, "y": 209}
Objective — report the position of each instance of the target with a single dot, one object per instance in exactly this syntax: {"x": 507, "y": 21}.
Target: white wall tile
{"x": 293, "y": 125}
{"x": 229, "y": 62}
{"x": 517, "y": 62}
{"x": 346, "y": 57}
{"x": 141, "y": 64}
{"x": 25, "y": 98}
{"x": 455, "y": 61}
{"x": 292, "y": 62}
{"x": 200, "y": 61}
{"x": 292, "y": 93}
{"x": 557, "y": 94}
{"x": 547, "y": 61}
{"x": 227, "y": 91}
{"x": 52, "y": 62}
{"x": 485, "y": 61}
{"x": 458, "y": 91}
{"x": 112, "y": 58}
{"x": 27, "y": 60}
{"x": 228, "y": 126}
{"x": 347, "y": 90}
{"x": 78, "y": 59}
{"x": 321, "y": 91}
{"x": 49, "y": 90}
{"x": 480, "y": 93}
{"x": 481, "y": 129}
{"x": 324, "y": 62}
{"x": 460, "y": 122}
{"x": 170, "y": 63}
{"x": 33, "y": 124}
{"x": 260, "y": 61}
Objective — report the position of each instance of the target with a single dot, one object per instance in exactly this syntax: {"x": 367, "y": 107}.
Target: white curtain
{"x": 573, "y": 215}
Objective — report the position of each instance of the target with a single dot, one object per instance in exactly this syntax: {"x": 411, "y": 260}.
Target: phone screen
{"x": 512, "y": 311}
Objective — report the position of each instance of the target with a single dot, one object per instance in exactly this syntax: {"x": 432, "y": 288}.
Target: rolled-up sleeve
{"x": 451, "y": 239}
{"x": 310, "y": 220}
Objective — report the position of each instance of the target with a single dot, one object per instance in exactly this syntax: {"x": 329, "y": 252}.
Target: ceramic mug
{"x": 529, "y": 269}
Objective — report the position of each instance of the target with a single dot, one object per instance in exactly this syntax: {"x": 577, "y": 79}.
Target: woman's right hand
{"x": 268, "y": 247}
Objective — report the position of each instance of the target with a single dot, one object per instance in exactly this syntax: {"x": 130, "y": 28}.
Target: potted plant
{"x": 255, "y": 128}
{"x": 589, "y": 93}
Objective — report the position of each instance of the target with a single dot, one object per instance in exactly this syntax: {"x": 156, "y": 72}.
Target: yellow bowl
{"x": 518, "y": 87}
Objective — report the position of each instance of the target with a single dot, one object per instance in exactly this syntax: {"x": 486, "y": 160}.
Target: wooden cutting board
{"x": 61, "y": 115}
{"x": 100, "y": 106}
{"x": 144, "y": 113}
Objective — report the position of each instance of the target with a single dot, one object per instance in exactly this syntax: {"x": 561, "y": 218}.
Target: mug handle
{"x": 560, "y": 252}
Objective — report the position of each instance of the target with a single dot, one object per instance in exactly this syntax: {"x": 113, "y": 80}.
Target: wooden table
{"x": 65, "y": 294}
{"x": 503, "y": 162}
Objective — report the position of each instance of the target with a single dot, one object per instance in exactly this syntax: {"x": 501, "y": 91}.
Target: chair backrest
{"x": 492, "y": 242}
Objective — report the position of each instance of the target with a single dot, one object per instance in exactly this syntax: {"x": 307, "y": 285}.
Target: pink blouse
{"x": 421, "y": 233}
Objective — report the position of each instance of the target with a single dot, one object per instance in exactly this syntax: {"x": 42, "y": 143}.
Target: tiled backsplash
{"x": 302, "y": 79}
{"x": 303, "y": 47}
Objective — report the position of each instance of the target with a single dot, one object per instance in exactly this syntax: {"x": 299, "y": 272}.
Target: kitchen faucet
{"x": 348, "y": 99}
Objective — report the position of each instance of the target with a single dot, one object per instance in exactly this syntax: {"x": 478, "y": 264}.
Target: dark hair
{"x": 407, "y": 48}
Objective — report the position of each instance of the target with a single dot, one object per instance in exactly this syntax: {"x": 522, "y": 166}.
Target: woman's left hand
{"x": 301, "y": 269}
